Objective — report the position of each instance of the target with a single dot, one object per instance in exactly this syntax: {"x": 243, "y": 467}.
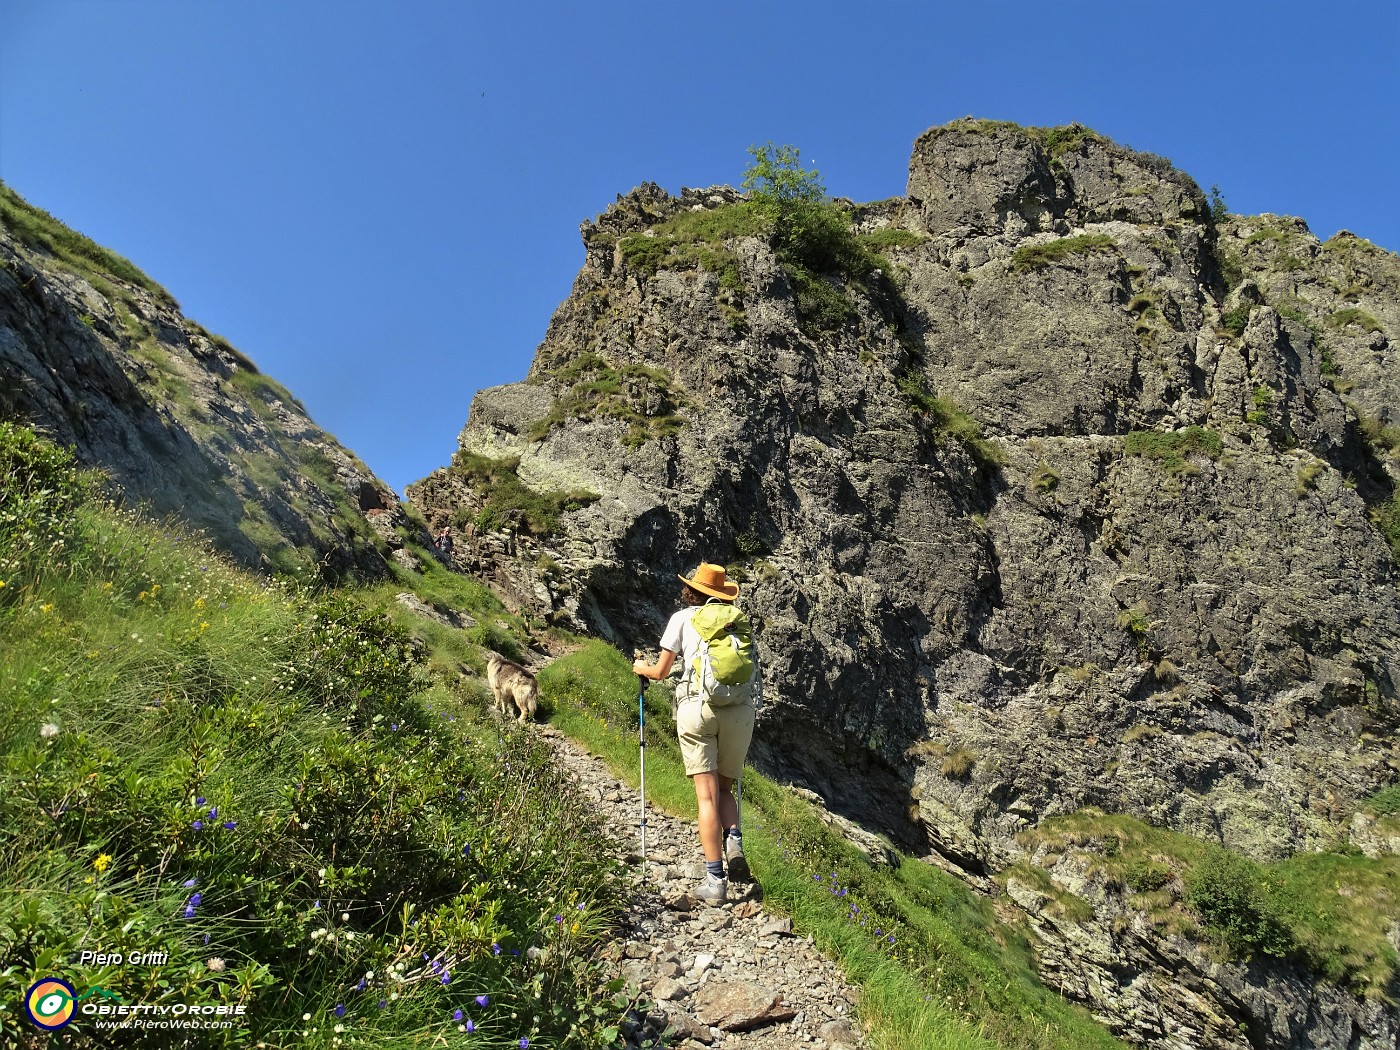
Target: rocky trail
{"x": 721, "y": 977}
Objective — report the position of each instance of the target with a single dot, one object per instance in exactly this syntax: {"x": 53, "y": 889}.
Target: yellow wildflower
{"x": 102, "y": 863}
{"x": 47, "y": 607}
{"x": 199, "y": 603}
{"x": 203, "y": 626}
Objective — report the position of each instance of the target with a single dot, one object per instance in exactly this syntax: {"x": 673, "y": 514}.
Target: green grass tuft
{"x": 1038, "y": 256}
{"x": 949, "y": 422}
{"x": 1173, "y": 450}
{"x": 1353, "y": 315}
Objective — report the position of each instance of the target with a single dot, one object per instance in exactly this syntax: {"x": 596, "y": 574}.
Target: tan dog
{"x": 511, "y": 680}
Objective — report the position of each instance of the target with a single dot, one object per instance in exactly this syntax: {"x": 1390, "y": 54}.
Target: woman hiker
{"x": 714, "y": 739}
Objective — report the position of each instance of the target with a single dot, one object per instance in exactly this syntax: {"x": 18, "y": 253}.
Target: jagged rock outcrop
{"x": 96, "y": 357}
{"x": 1162, "y": 989}
{"x": 1150, "y": 581}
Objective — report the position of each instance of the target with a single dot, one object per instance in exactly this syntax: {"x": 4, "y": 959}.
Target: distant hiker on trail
{"x": 714, "y": 713}
{"x": 444, "y": 543}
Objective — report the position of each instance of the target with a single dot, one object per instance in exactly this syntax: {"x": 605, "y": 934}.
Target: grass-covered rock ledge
{"x": 269, "y": 787}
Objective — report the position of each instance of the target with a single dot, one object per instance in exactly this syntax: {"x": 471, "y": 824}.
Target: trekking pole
{"x": 642, "y": 759}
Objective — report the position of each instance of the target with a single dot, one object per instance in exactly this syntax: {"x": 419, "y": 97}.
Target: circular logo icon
{"x": 49, "y": 1003}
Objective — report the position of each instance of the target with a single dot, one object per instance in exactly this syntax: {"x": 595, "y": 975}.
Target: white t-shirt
{"x": 681, "y": 637}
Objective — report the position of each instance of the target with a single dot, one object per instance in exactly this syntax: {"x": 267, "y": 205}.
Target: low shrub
{"x": 1235, "y": 321}
{"x": 1385, "y": 802}
{"x": 890, "y": 237}
{"x": 1148, "y": 876}
{"x": 1328, "y": 911}
{"x": 1233, "y": 897}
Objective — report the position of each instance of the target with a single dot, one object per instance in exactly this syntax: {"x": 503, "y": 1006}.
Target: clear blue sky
{"x": 379, "y": 202}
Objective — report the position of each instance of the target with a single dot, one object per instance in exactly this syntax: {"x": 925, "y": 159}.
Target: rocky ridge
{"x": 97, "y": 357}
{"x": 1073, "y": 501}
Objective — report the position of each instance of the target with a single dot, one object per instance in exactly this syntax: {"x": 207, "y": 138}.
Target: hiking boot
{"x": 712, "y": 890}
{"x": 735, "y": 861}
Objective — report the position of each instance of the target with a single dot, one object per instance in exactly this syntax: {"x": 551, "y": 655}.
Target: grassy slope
{"x": 269, "y": 787}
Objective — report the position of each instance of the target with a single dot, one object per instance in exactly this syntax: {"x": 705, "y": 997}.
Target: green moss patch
{"x": 506, "y": 499}
{"x": 643, "y": 397}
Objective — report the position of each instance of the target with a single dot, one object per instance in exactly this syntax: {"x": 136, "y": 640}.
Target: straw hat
{"x": 709, "y": 579}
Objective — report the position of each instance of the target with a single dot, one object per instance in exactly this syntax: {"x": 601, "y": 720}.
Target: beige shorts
{"x": 714, "y": 739}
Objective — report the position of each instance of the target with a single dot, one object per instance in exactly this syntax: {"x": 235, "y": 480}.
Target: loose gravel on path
{"x": 732, "y": 976}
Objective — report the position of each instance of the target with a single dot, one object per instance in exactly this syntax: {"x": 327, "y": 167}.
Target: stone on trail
{"x": 740, "y": 1006}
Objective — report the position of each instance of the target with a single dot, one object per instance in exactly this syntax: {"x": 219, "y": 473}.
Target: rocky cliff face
{"x": 97, "y": 357}
{"x": 1076, "y": 498}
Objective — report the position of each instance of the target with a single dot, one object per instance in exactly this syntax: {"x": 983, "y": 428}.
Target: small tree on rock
{"x": 807, "y": 227}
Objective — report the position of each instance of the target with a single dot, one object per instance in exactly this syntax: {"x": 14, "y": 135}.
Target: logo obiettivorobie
{"x": 50, "y": 1003}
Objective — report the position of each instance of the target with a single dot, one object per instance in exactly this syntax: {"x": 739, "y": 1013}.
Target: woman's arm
{"x": 658, "y": 670}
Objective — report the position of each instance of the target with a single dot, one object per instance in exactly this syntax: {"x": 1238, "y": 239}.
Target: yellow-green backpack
{"x": 725, "y": 669}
